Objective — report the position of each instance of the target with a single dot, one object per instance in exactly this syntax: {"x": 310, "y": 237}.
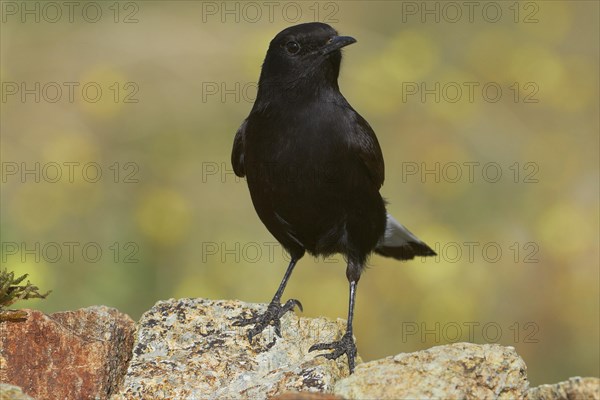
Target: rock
{"x": 457, "y": 371}
{"x": 576, "y": 388}
{"x": 78, "y": 354}
{"x": 306, "y": 396}
{"x": 189, "y": 348}
{"x": 10, "y": 392}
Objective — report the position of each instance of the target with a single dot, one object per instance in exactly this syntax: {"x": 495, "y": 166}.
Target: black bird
{"x": 314, "y": 169}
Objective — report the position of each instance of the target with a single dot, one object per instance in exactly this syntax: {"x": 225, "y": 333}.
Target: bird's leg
{"x": 346, "y": 344}
{"x": 275, "y": 310}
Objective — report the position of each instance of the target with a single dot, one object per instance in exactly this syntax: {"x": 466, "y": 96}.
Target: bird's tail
{"x": 399, "y": 243}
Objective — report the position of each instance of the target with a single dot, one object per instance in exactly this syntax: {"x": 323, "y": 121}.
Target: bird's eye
{"x": 292, "y": 47}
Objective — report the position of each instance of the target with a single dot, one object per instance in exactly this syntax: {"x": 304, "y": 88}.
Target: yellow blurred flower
{"x": 163, "y": 215}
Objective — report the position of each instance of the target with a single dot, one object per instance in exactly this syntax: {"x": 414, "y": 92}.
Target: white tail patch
{"x": 396, "y": 234}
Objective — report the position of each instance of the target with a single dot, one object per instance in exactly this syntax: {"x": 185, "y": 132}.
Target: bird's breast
{"x": 296, "y": 153}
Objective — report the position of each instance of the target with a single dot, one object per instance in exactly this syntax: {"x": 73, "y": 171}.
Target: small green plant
{"x": 11, "y": 290}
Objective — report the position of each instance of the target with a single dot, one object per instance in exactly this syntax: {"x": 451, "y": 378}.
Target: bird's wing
{"x": 237, "y": 153}
{"x": 365, "y": 144}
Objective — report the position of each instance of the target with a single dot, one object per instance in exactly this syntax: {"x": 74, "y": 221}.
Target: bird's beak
{"x": 336, "y": 43}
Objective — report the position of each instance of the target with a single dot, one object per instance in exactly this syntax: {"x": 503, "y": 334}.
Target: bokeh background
{"x": 171, "y": 219}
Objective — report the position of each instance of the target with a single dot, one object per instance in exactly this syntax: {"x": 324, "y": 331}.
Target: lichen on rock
{"x": 456, "y": 371}
{"x": 189, "y": 348}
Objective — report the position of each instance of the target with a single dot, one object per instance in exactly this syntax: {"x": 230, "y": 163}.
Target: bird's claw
{"x": 343, "y": 346}
{"x": 289, "y": 305}
{"x": 270, "y": 317}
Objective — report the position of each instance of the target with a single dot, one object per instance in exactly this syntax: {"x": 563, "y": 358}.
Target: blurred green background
{"x": 519, "y": 253}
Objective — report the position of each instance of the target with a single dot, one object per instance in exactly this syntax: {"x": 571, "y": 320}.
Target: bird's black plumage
{"x": 314, "y": 167}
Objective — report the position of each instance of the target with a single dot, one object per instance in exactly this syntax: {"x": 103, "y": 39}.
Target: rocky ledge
{"x": 189, "y": 349}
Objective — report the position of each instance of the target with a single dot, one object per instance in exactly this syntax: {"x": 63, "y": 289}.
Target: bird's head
{"x": 304, "y": 53}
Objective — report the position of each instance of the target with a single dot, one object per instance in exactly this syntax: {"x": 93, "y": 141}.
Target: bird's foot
{"x": 270, "y": 317}
{"x": 343, "y": 346}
